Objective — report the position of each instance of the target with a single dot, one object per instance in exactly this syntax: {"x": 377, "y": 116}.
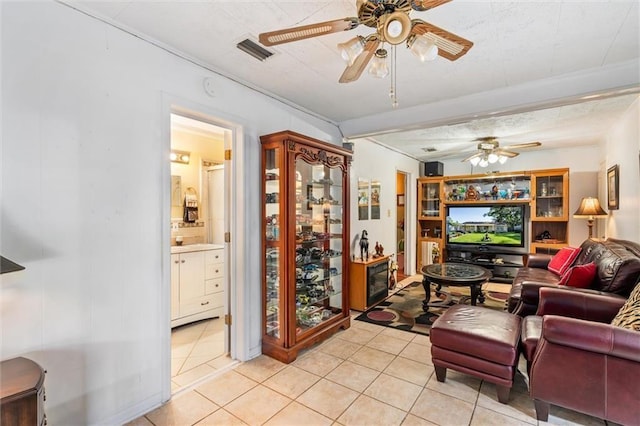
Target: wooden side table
{"x": 21, "y": 393}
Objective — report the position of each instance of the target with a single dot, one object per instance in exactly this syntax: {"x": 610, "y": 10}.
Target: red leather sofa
{"x": 617, "y": 272}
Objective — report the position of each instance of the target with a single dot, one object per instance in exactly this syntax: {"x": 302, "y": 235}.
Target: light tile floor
{"x": 197, "y": 351}
{"x": 365, "y": 375}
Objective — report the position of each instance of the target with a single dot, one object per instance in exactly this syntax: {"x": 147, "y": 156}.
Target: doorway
{"x": 401, "y": 219}
{"x": 200, "y": 338}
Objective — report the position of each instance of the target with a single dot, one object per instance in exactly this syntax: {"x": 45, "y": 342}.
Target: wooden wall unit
{"x": 431, "y": 220}
{"x": 550, "y": 210}
{"x": 545, "y": 191}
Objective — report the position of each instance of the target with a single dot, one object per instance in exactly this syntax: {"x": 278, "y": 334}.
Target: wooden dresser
{"x": 21, "y": 393}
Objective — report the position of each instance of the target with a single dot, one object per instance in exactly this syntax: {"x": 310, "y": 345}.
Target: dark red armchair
{"x": 580, "y": 361}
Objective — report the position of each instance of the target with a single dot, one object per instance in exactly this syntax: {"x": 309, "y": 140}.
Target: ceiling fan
{"x": 392, "y": 24}
{"x": 489, "y": 151}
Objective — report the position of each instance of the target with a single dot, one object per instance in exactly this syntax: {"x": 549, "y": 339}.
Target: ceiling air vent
{"x": 254, "y": 49}
{"x": 429, "y": 149}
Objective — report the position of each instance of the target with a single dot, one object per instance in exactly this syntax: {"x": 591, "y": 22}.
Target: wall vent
{"x": 254, "y": 49}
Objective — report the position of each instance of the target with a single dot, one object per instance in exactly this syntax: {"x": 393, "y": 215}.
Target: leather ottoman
{"x": 477, "y": 341}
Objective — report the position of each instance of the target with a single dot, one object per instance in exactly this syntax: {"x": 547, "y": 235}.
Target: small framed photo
{"x": 613, "y": 187}
{"x": 401, "y": 199}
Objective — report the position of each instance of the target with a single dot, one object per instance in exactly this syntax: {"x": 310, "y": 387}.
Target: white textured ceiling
{"x": 516, "y": 45}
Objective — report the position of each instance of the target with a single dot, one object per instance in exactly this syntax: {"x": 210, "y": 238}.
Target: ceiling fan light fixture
{"x": 422, "y": 47}
{"x": 492, "y": 157}
{"x": 483, "y": 162}
{"x": 474, "y": 161}
{"x": 396, "y": 28}
{"x": 351, "y": 49}
{"x": 502, "y": 159}
{"x": 379, "y": 68}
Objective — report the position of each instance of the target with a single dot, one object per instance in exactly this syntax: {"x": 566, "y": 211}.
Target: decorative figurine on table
{"x": 364, "y": 245}
{"x": 379, "y": 250}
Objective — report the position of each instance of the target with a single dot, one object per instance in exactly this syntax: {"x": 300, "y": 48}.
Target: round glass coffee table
{"x": 453, "y": 274}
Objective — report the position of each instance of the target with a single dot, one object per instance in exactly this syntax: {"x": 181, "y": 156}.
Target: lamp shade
{"x": 378, "y": 66}
{"x": 589, "y": 208}
{"x": 349, "y": 50}
{"x": 423, "y": 48}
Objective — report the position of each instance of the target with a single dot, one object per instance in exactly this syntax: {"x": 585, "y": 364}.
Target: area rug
{"x": 403, "y": 309}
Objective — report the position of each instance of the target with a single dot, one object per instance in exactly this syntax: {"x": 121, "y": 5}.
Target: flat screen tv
{"x": 497, "y": 226}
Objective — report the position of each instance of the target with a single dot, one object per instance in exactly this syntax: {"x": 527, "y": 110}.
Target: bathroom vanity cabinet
{"x": 197, "y": 283}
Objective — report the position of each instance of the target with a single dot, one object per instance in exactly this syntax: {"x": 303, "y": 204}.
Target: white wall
{"x": 623, "y": 148}
{"x": 374, "y": 162}
{"x": 85, "y": 190}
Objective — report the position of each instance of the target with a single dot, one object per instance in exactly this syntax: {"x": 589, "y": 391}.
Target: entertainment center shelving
{"x": 544, "y": 192}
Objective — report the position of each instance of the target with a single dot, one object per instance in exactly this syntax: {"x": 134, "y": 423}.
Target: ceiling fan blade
{"x": 307, "y": 31}
{"x": 450, "y": 46}
{"x": 477, "y": 154}
{"x": 524, "y": 145}
{"x": 509, "y": 154}
{"x": 422, "y": 5}
{"x": 353, "y": 72}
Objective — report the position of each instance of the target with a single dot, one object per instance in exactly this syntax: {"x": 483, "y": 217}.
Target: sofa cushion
{"x": 580, "y": 276}
{"x": 617, "y": 262}
{"x": 629, "y": 314}
{"x": 562, "y": 260}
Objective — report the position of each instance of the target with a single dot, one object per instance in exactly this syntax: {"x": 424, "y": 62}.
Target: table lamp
{"x": 590, "y": 209}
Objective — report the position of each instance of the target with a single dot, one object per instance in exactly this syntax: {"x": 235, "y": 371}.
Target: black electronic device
{"x": 433, "y": 168}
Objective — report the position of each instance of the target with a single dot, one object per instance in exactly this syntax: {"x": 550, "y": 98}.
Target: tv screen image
{"x": 499, "y": 225}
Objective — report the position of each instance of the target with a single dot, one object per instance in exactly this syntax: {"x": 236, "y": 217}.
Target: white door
{"x": 215, "y": 174}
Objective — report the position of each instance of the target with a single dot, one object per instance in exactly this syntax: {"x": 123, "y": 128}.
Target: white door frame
{"x": 408, "y": 247}
{"x": 234, "y": 273}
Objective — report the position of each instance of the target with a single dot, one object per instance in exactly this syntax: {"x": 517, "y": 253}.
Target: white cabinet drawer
{"x": 213, "y": 286}
{"x": 213, "y": 271}
{"x": 214, "y": 256}
{"x": 210, "y": 301}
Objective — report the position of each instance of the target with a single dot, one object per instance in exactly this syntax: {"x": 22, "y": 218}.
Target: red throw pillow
{"x": 562, "y": 260}
{"x": 580, "y": 276}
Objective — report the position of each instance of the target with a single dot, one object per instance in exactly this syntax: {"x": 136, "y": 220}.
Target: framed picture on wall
{"x": 363, "y": 199}
{"x": 613, "y": 187}
{"x": 400, "y": 199}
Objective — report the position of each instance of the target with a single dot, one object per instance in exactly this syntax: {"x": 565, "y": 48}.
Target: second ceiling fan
{"x": 393, "y": 25}
{"x": 489, "y": 151}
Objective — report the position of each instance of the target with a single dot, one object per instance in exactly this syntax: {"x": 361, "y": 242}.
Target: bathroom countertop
{"x": 195, "y": 247}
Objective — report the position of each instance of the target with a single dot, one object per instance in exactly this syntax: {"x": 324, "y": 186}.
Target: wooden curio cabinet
{"x": 305, "y": 277}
